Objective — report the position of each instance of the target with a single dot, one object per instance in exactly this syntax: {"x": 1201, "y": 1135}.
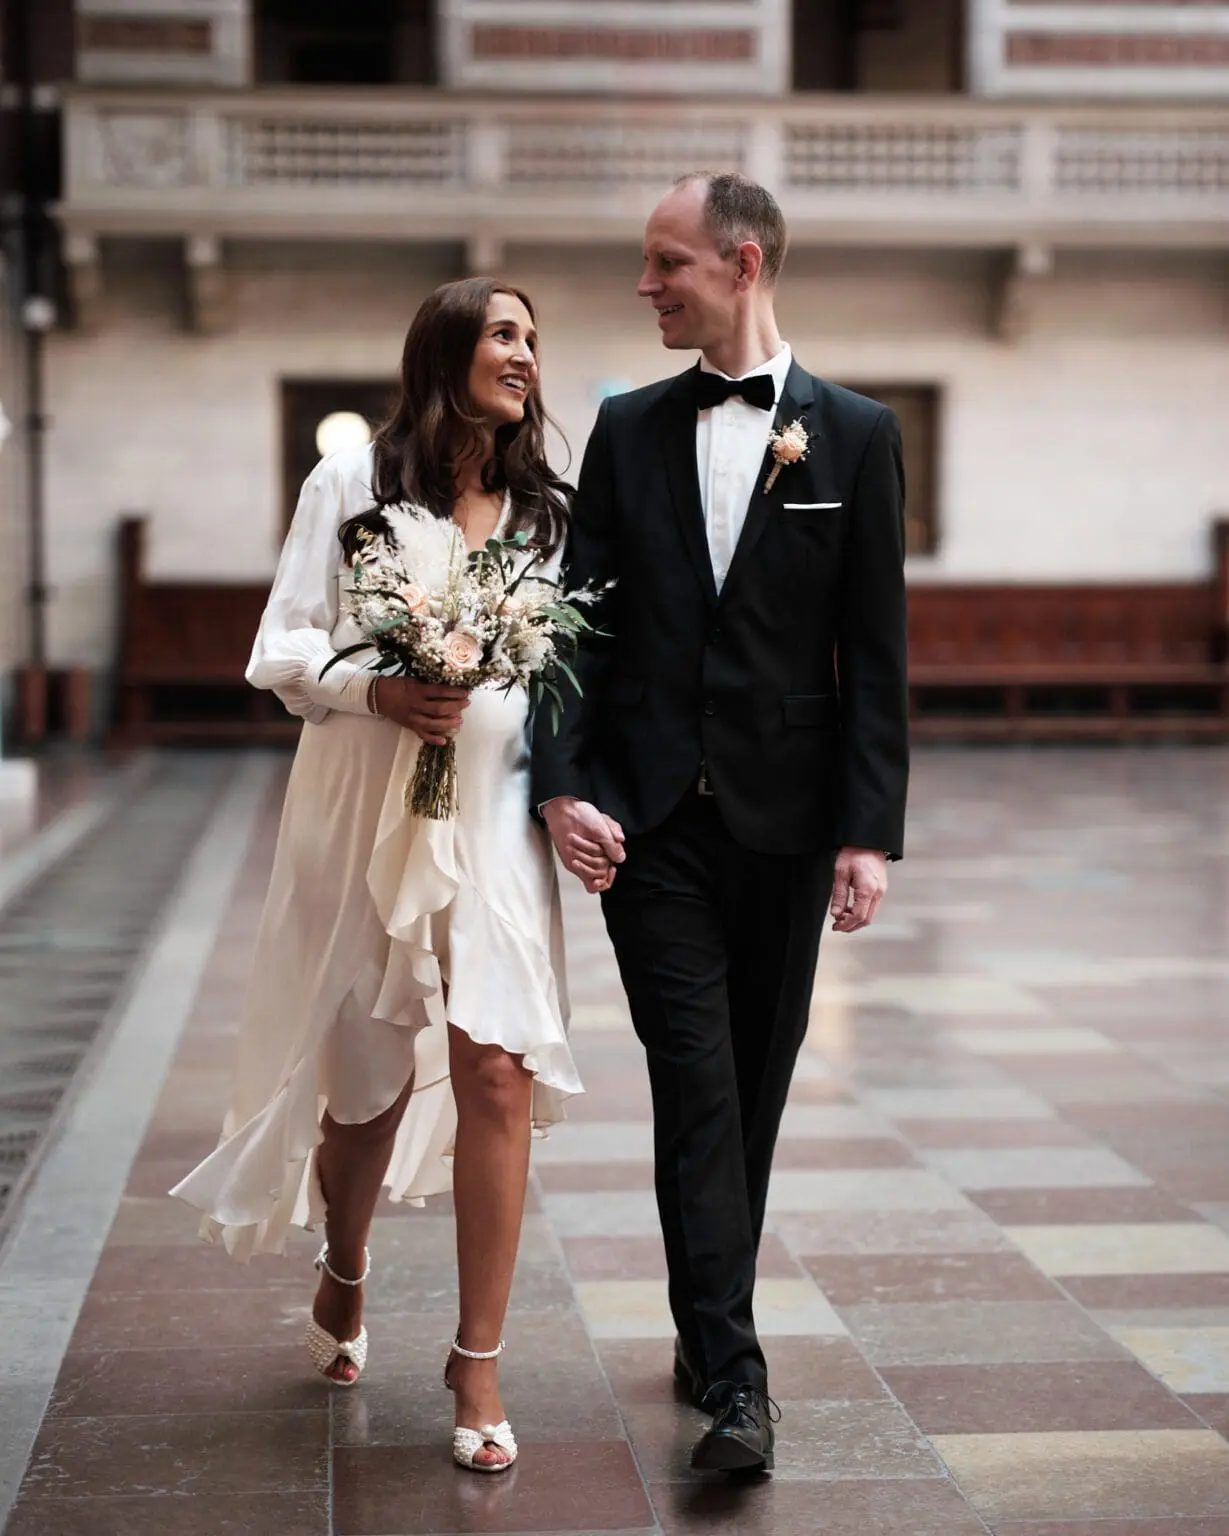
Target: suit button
{"x": 715, "y": 633}
{"x": 709, "y": 707}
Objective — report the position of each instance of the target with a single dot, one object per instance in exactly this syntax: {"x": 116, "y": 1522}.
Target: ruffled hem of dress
{"x": 502, "y": 986}
{"x": 260, "y": 1181}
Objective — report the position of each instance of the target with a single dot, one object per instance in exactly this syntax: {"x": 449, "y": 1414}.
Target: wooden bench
{"x": 1066, "y": 662}
{"x": 183, "y": 649}
{"x": 999, "y": 662}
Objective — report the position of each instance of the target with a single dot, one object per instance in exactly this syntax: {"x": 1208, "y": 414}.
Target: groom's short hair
{"x": 737, "y": 209}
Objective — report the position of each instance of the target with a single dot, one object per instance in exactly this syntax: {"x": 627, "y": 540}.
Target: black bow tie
{"x": 711, "y": 389}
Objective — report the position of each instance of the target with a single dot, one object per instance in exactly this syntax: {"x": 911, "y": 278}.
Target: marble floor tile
{"x": 998, "y": 1103}
{"x": 860, "y": 1189}
{"x": 1053, "y": 1040}
{"x": 1058, "y": 1207}
{"x": 1149, "y": 1293}
{"x": 227, "y": 1453}
{"x": 597, "y": 1142}
{"x": 619, "y": 1213}
{"x": 1187, "y": 1360}
{"x": 400, "y": 1491}
{"x": 1011, "y": 1398}
{"x": 819, "y": 1152}
{"x": 638, "y": 1309}
{"x": 801, "y": 1368}
{"x": 644, "y": 1258}
{"x": 977, "y": 1168}
{"x": 600, "y": 1016}
{"x": 854, "y": 1507}
{"x": 849, "y": 1281}
{"x": 1152, "y": 1248}
{"x": 591, "y": 1178}
{"x": 991, "y": 1133}
{"x": 856, "y": 1232}
{"x": 840, "y": 1122}
{"x": 1104, "y": 1474}
{"x": 273, "y": 1378}
{"x": 1167, "y": 1526}
{"x": 815, "y": 1441}
{"x": 977, "y": 1332}
{"x": 178, "y": 1514}
{"x": 944, "y": 995}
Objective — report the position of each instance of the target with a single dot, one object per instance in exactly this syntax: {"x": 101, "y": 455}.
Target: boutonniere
{"x": 789, "y": 446}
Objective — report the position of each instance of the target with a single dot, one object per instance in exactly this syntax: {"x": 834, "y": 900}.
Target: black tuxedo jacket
{"x": 789, "y": 687}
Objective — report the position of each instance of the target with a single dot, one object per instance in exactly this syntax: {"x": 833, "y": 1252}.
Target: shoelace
{"x": 751, "y": 1397}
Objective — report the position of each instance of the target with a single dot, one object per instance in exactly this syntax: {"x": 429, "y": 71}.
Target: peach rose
{"x": 415, "y": 599}
{"x": 791, "y": 445}
{"x": 461, "y": 651}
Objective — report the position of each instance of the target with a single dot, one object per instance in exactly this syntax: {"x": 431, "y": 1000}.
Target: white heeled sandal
{"x": 466, "y": 1443}
{"x": 321, "y": 1345}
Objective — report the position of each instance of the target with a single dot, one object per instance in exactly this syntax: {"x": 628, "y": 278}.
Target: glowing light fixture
{"x": 342, "y": 429}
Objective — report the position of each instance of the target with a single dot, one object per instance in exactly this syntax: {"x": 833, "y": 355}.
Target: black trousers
{"x": 717, "y": 948}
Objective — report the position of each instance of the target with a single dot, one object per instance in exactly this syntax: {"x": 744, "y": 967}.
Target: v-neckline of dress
{"x": 495, "y": 533}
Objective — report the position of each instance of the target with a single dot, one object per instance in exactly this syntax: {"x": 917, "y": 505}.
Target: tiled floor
{"x": 995, "y": 1289}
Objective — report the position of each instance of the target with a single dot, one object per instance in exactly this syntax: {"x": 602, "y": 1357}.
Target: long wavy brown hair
{"x": 434, "y": 427}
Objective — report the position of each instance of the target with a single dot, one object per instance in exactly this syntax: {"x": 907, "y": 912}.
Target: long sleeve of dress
{"x": 294, "y": 641}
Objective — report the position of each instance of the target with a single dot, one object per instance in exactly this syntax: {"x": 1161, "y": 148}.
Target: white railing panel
{"x": 902, "y": 157}
{"x": 1104, "y": 162}
{"x": 979, "y": 172}
{"x": 273, "y": 152}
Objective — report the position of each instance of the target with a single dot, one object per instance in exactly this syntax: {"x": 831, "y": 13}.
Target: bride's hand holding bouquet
{"x": 494, "y": 621}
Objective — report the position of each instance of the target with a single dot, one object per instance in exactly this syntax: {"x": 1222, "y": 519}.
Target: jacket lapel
{"x": 678, "y": 443}
{"x": 796, "y": 400}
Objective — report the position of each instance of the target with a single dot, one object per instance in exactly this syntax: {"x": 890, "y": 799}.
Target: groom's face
{"x": 689, "y": 283}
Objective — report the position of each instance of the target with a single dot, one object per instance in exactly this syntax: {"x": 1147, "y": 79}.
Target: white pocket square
{"x": 813, "y": 506}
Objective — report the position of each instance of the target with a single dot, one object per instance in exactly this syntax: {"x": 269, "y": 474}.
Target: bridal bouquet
{"x": 488, "y": 621}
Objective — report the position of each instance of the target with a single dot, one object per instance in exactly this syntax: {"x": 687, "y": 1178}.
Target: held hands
{"x": 589, "y": 844}
{"x": 859, "y": 884}
{"x": 433, "y": 711}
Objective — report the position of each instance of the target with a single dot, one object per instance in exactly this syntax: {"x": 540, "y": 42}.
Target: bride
{"x": 405, "y": 1020}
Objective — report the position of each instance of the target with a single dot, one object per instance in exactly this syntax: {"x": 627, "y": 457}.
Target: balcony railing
{"x": 429, "y": 165}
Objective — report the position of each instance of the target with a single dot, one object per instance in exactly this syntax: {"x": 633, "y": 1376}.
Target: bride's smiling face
{"x": 505, "y": 363}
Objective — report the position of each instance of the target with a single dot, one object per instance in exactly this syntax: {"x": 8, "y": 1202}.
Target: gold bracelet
{"x": 372, "y": 707}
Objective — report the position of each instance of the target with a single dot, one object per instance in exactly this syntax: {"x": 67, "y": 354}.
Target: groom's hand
{"x": 589, "y": 844}
{"x": 858, "y": 886}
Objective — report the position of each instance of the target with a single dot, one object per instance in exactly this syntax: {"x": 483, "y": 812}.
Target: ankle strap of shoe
{"x": 322, "y": 1262}
{"x": 478, "y": 1354}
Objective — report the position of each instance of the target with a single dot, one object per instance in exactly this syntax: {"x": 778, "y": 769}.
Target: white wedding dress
{"x": 379, "y": 929}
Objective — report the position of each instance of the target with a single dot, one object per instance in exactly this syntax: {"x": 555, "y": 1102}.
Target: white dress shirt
{"x": 731, "y": 440}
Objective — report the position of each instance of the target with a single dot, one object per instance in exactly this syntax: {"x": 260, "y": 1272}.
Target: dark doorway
{"x": 345, "y": 42}
{"x": 306, "y": 403}
{"x": 917, "y": 408}
{"x": 878, "y": 46}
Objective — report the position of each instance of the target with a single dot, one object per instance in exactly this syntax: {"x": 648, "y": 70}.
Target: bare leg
{"x": 351, "y": 1161}
{"x": 493, "y": 1095}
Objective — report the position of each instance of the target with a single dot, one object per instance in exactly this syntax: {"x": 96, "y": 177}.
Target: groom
{"x": 737, "y": 764}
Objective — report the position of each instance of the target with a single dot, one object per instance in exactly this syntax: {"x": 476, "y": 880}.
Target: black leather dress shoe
{"x": 687, "y": 1379}
{"x": 741, "y": 1438}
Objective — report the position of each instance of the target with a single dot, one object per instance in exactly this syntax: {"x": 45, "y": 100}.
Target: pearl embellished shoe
{"x": 466, "y": 1443}
{"x": 323, "y": 1348}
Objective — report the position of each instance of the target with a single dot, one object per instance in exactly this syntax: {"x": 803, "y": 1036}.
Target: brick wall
{"x": 1089, "y": 48}
{"x": 623, "y": 44}
{"x": 636, "y": 46}
{"x": 164, "y": 42}
{"x": 1094, "y": 448}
